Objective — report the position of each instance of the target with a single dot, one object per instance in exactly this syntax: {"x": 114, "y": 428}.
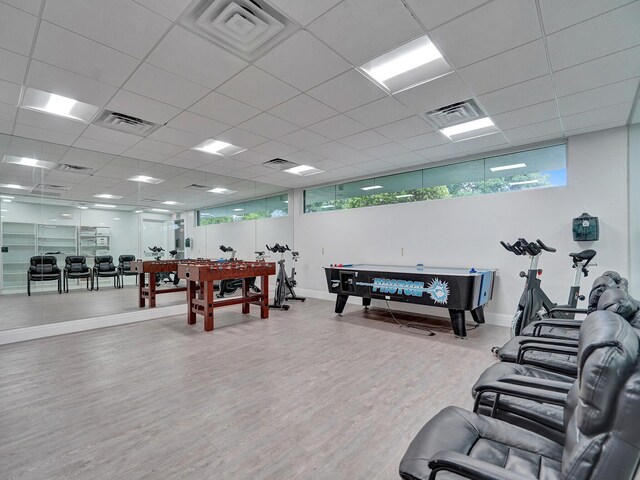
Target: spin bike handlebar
{"x": 522, "y": 247}
{"x": 226, "y": 249}
{"x": 277, "y": 248}
{"x": 156, "y": 249}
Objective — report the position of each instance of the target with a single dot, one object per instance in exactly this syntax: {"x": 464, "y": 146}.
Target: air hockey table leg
{"x": 341, "y": 301}
{"x": 457, "y": 322}
{"x": 366, "y": 302}
{"x": 478, "y": 314}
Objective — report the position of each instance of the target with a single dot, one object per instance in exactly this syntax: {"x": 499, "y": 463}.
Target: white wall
{"x": 634, "y": 209}
{"x": 464, "y": 232}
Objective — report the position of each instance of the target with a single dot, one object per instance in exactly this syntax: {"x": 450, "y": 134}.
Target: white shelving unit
{"x": 57, "y": 238}
{"x": 93, "y": 241}
{"x": 20, "y": 239}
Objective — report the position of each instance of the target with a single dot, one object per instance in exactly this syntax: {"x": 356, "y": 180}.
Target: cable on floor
{"x": 419, "y": 326}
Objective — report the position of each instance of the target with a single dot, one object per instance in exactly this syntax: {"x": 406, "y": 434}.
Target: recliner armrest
{"x": 468, "y": 467}
{"x": 537, "y": 326}
{"x": 543, "y": 383}
{"x": 519, "y": 391}
{"x": 545, "y": 347}
{"x": 567, "y": 310}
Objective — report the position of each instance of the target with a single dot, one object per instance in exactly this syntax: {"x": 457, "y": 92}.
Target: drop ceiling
{"x": 541, "y": 69}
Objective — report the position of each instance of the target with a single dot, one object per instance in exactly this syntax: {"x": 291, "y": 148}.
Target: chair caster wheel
{"x": 286, "y": 307}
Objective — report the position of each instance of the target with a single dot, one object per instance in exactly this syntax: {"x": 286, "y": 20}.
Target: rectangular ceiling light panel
{"x": 474, "y": 129}
{"x": 303, "y": 170}
{"x": 27, "y": 162}
{"x": 45, "y": 102}
{"x": 217, "y": 147}
{"x": 411, "y": 64}
{"x": 145, "y": 179}
{"x": 108, "y": 196}
{"x": 222, "y": 191}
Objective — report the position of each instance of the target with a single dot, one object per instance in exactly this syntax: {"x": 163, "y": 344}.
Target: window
{"x": 539, "y": 168}
{"x": 271, "y": 207}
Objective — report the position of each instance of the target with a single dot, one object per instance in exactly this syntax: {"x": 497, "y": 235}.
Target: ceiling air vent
{"x": 50, "y": 190}
{"x": 125, "y": 123}
{"x": 66, "y": 167}
{"x": 279, "y": 164}
{"x": 454, "y": 114}
{"x": 195, "y": 186}
{"x": 247, "y": 28}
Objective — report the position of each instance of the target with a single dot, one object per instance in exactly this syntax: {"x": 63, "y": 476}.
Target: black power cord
{"x": 419, "y": 326}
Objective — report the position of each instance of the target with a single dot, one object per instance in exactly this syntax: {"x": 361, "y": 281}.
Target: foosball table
{"x": 203, "y": 276}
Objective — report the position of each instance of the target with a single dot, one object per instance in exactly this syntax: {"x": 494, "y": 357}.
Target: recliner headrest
{"x": 605, "y": 281}
{"x": 607, "y": 353}
{"x": 618, "y": 301}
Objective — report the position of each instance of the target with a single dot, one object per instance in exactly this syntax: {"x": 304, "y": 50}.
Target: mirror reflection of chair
{"x": 75, "y": 267}
{"x": 43, "y": 268}
{"x": 103, "y": 267}
{"x": 124, "y": 268}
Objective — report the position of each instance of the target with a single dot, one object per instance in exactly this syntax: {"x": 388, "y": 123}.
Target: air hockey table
{"x": 455, "y": 289}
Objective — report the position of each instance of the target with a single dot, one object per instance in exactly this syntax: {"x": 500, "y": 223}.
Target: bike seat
{"x": 584, "y": 255}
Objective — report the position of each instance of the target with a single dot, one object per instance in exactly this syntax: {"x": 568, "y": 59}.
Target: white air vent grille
{"x": 125, "y": 123}
{"x": 50, "y": 190}
{"x": 247, "y": 28}
{"x": 195, "y": 186}
{"x": 151, "y": 200}
{"x": 279, "y": 164}
{"x": 67, "y": 167}
{"x": 454, "y": 114}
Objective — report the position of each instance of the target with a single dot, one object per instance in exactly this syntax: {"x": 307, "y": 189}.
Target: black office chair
{"x": 103, "y": 267}
{"x": 124, "y": 268}
{"x": 75, "y": 267}
{"x": 43, "y": 268}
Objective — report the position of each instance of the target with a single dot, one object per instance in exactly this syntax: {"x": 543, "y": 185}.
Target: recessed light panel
{"x": 14, "y": 186}
{"x": 411, "y": 64}
{"x": 508, "y": 167}
{"x": 222, "y": 191}
{"x": 304, "y": 170}
{"x": 27, "y": 162}
{"x": 108, "y": 196}
{"x": 468, "y": 130}
{"x": 46, "y": 102}
{"x": 217, "y": 147}
{"x": 161, "y": 210}
{"x": 104, "y": 205}
{"x": 171, "y": 202}
{"x": 145, "y": 179}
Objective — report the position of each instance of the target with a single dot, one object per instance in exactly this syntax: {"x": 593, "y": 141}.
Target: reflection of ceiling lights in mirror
{"x": 108, "y": 196}
{"x": 33, "y": 99}
{"x": 7, "y": 196}
{"x": 104, "y": 205}
{"x": 6, "y": 200}
{"x": 508, "y": 167}
{"x": 404, "y": 196}
{"x": 216, "y": 147}
{"x": 222, "y": 191}
{"x": 524, "y": 182}
{"x": 372, "y": 187}
{"x": 27, "y": 162}
{"x": 238, "y": 209}
{"x": 83, "y": 207}
{"x": 411, "y": 64}
{"x": 161, "y": 210}
{"x": 14, "y": 186}
{"x": 145, "y": 179}
{"x": 171, "y": 202}
{"x": 138, "y": 211}
{"x": 304, "y": 170}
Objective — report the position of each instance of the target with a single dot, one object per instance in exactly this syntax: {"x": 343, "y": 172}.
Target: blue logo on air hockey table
{"x": 438, "y": 289}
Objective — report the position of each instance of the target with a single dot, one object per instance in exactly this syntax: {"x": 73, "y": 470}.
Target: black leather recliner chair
{"x": 75, "y": 267}
{"x": 124, "y": 268}
{"x": 600, "y": 423}
{"x": 103, "y": 267}
{"x": 43, "y": 268}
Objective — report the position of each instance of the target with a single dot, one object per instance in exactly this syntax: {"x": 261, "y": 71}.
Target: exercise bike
{"x": 229, "y": 287}
{"x": 534, "y": 304}
{"x": 165, "y": 277}
{"x": 284, "y": 282}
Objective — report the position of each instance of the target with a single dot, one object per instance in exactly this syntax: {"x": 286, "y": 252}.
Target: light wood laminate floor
{"x": 302, "y": 395}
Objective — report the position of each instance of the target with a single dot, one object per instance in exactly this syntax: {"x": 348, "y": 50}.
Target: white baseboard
{"x": 491, "y": 318}
{"x": 52, "y": 329}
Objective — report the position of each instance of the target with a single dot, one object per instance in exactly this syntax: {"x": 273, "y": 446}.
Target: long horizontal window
{"x": 270, "y": 207}
{"x": 539, "y": 168}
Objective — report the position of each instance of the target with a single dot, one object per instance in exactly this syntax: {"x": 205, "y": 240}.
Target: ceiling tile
{"x": 50, "y": 122}
{"x": 425, "y": 140}
{"x": 224, "y": 109}
{"x": 447, "y": 150}
{"x": 387, "y": 150}
{"x": 249, "y": 156}
{"x": 613, "y": 94}
{"x": 9, "y": 93}
{"x": 14, "y": 66}
{"x": 184, "y": 162}
{"x": 405, "y": 159}
{"x": 29, "y": 6}
{"x": 170, "y": 9}
{"x": 435, "y": 94}
{"x": 241, "y": 138}
{"x": 408, "y": 127}
{"x": 258, "y": 89}
{"x": 602, "y": 71}
{"x": 159, "y": 147}
{"x": 119, "y": 24}
{"x": 518, "y": 96}
{"x": 305, "y": 157}
{"x": 275, "y": 149}
{"x": 303, "y": 61}
{"x": 528, "y": 115}
{"x": 17, "y": 29}
{"x": 268, "y": 126}
{"x": 483, "y": 143}
{"x": 8, "y": 112}
{"x": 178, "y": 137}
{"x": 36, "y": 133}
{"x": 6, "y": 127}
{"x": 142, "y": 107}
{"x": 507, "y": 68}
{"x": 303, "y": 110}
{"x": 360, "y": 30}
{"x": 534, "y": 131}
{"x": 100, "y": 146}
{"x": 600, "y": 116}
{"x": 337, "y": 127}
{"x": 197, "y": 125}
{"x": 304, "y": 12}
{"x": 70, "y": 51}
{"x": 95, "y": 132}
{"x": 436, "y": 12}
{"x": 146, "y": 155}
{"x": 342, "y": 153}
{"x": 617, "y": 30}
{"x": 367, "y": 139}
{"x": 595, "y": 128}
{"x": 380, "y": 112}
{"x": 195, "y": 59}
{"x": 165, "y": 87}
{"x": 304, "y": 139}
{"x": 374, "y": 166}
{"x": 559, "y": 15}
{"x": 63, "y": 82}
{"x": 348, "y": 91}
